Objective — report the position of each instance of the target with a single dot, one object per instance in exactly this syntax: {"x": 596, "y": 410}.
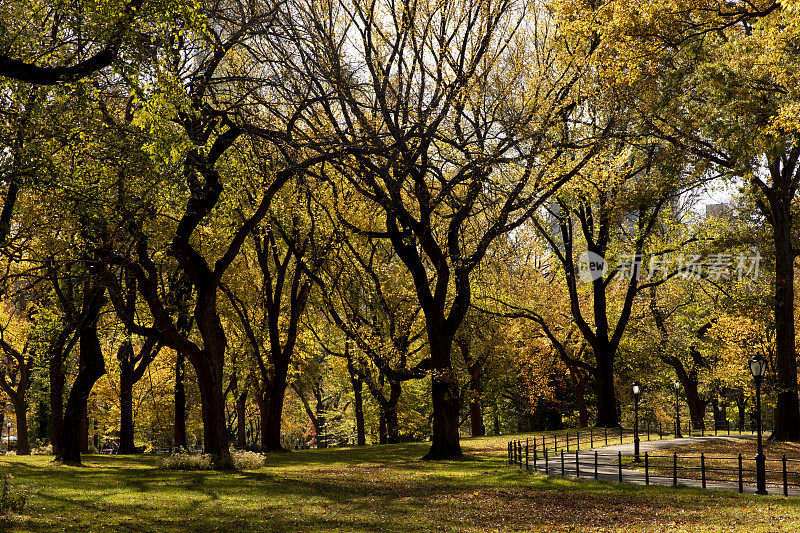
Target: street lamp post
{"x": 676, "y": 385}
{"x": 8, "y": 436}
{"x": 758, "y": 367}
{"x": 637, "y": 391}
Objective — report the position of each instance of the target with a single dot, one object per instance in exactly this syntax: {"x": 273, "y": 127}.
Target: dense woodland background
{"x": 288, "y": 223}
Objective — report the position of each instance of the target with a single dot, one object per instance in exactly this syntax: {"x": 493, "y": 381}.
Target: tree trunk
{"x": 271, "y": 432}
{"x": 580, "y": 397}
{"x": 126, "y": 425}
{"x": 445, "y": 396}
{"x": 475, "y": 412}
{"x": 209, "y": 380}
{"x": 21, "y": 412}
{"x": 92, "y": 369}
{"x": 697, "y": 407}
{"x": 358, "y": 399}
{"x": 179, "y": 437}
{"x": 241, "y": 414}
{"x": 606, "y": 398}
{"x": 787, "y": 409}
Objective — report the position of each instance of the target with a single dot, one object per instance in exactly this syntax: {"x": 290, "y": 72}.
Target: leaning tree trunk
{"x": 93, "y": 368}
{"x": 445, "y": 396}
{"x": 787, "y": 409}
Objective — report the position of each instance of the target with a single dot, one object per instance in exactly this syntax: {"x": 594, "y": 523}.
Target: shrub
{"x": 187, "y": 461}
{"x": 245, "y": 460}
{"x": 242, "y": 460}
{"x": 11, "y": 498}
{"x": 43, "y": 450}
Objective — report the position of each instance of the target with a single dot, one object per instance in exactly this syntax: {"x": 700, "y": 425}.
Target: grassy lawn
{"x": 378, "y": 488}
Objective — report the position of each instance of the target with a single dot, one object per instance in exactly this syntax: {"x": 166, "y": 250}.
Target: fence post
{"x": 555, "y": 442}
{"x": 741, "y": 482}
{"x": 546, "y": 463}
{"x": 534, "y": 453}
{"x": 660, "y": 434}
{"x": 562, "y": 462}
{"x": 578, "y": 440}
{"x": 703, "y": 467}
{"x": 591, "y": 437}
{"x": 595, "y": 464}
{"x": 605, "y": 430}
{"x": 785, "y": 479}
{"x": 578, "y": 465}
{"x": 526, "y": 455}
{"x": 509, "y": 452}
{"x": 646, "y": 469}
{"x": 675, "y": 469}
{"x": 620, "y": 466}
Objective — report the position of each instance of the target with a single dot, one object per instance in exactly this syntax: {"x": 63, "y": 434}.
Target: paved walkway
{"x": 608, "y": 465}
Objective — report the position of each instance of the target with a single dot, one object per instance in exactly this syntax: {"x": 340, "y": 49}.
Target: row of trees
{"x": 238, "y": 182}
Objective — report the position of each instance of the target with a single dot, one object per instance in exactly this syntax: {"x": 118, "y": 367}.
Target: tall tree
{"x": 738, "y": 67}
{"x": 15, "y": 380}
{"x": 465, "y": 123}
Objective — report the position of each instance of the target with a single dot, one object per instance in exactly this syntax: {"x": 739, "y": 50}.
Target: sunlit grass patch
{"x": 377, "y": 488}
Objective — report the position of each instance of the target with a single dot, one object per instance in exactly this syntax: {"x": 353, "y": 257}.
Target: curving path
{"x": 610, "y": 472}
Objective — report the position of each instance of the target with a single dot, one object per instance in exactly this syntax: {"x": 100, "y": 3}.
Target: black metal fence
{"x": 593, "y": 437}
{"x": 668, "y": 468}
